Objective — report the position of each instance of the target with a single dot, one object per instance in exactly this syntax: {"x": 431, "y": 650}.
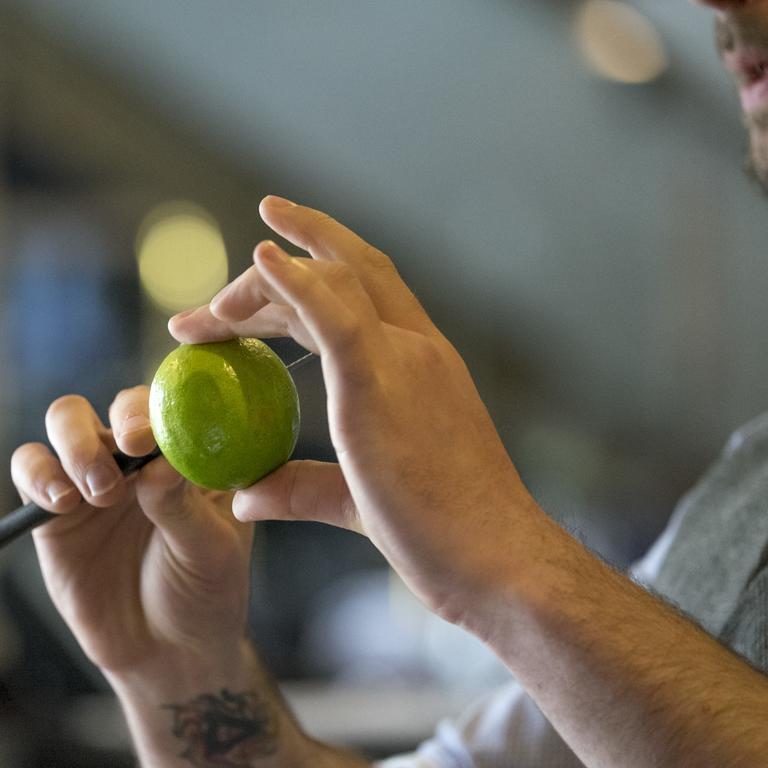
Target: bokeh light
{"x": 619, "y": 43}
{"x": 181, "y": 255}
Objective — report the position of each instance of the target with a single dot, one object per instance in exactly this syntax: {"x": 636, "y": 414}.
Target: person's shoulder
{"x": 749, "y": 435}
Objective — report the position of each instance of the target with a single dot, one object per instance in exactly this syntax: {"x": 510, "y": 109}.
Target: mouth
{"x": 750, "y": 67}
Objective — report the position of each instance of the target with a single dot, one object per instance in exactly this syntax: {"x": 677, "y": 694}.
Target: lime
{"x": 224, "y": 414}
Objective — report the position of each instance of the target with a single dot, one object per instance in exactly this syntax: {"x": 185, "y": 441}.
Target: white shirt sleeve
{"x": 506, "y": 729}
{"x": 503, "y": 730}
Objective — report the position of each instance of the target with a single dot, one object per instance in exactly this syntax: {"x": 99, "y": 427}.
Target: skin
{"x": 151, "y": 574}
{"x": 742, "y": 27}
{"x": 132, "y": 559}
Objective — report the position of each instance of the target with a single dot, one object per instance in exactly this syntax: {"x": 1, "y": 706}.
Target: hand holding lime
{"x": 224, "y": 414}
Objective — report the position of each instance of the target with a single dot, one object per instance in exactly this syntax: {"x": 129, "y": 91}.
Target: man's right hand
{"x": 422, "y": 470}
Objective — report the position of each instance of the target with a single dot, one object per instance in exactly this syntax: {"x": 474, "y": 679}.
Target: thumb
{"x": 164, "y": 496}
{"x": 300, "y": 490}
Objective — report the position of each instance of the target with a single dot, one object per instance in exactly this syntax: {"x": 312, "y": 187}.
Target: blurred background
{"x": 558, "y": 180}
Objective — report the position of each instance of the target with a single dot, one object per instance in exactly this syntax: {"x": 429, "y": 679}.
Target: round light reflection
{"x": 619, "y": 43}
{"x": 181, "y": 256}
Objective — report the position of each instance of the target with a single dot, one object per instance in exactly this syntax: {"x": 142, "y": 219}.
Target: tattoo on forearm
{"x": 225, "y": 731}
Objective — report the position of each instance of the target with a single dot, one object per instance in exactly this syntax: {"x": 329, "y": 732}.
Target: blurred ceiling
{"x": 300, "y": 82}
{"x": 594, "y": 240}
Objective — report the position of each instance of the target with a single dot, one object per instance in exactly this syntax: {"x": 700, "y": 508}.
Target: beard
{"x": 756, "y": 163}
{"x": 748, "y": 30}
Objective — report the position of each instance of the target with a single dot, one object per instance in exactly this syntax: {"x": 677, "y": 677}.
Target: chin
{"x": 756, "y": 124}
{"x": 757, "y": 165}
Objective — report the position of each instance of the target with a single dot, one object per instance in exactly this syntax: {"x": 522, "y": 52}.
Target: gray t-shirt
{"x": 711, "y": 561}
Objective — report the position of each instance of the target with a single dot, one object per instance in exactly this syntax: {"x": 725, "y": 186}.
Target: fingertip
{"x": 197, "y": 326}
{"x": 176, "y": 327}
{"x": 246, "y": 508}
{"x": 275, "y": 203}
{"x": 185, "y": 320}
{"x": 171, "y": 325}
{"x": 263, "y": 247}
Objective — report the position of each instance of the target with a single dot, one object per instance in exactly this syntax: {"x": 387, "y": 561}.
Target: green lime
{"x": 224, "y": 414}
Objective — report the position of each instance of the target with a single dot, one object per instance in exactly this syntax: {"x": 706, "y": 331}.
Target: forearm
{"x": 624, "y": 678}
{"x": 217, "y": 712}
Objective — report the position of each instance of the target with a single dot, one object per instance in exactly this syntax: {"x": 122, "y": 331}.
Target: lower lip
{"x": 754, "y": 97}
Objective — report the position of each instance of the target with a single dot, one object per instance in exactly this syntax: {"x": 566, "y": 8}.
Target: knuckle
{"x": 361, "y": 376}
{"x": 376, "y": 260}
{"x": 434, "y": 353}
{"x": 440, "y": 358}
{"x": 323, "y": 221}
{"x": 287, "y": 322}
{"x": 337, "y": 273}
{"x": 344, "y": 280}
{"x": 348, "y": 331}
{"x": 321, "y": 225}
{"x": 354, "y": 361}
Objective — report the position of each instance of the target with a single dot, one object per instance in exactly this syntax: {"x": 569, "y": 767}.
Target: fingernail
{"x": 239, "y": 507}
{"x": 101, "y": 479}
{"x": 133, "y": 424}
{"x": 273, "y": 201}
{"x": 58, "y": 489}
{"x": 184, "y": 314}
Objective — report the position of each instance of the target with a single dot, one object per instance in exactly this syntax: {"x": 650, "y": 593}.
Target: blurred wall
{"x": 592, "y": 248}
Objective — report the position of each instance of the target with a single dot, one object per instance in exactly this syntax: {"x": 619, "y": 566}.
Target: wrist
{"x": 510, "y": 580}
{"x": 184, "y": 706}
{"x": 173, "y": 671}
